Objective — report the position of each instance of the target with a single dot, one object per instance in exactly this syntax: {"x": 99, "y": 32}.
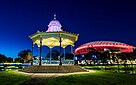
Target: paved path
{"x": 42, "y": 78}
{"x": 38, "y": 79}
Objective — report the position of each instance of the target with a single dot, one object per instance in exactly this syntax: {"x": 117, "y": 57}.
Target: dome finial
{"x": 54, "y": 16}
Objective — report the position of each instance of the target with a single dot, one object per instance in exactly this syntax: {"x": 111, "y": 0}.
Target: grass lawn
{"x": 97, "y": 78}
{"x": 12, "y": 78}
{"x": 114, "y": 68}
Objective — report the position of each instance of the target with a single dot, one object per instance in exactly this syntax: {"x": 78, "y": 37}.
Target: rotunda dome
{"x": 54, "y": 25}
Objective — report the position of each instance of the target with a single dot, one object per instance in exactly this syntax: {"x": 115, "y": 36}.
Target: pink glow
{"x": 83, "y": 49}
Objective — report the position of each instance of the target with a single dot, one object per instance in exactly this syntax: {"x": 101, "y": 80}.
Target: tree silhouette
{"x": 67, "y": 56}
{"x": 54, "y": 54}
{"x": 3, "y": 58}
{"x": 17, "y": 60}
{"x": 9, "y": 60}
{"x": 25, "y": 55}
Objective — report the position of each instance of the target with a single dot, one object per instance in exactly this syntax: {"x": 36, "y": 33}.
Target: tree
{"x": 54, "y": 54}
{"x": 9, "y": 60}
{"x": 17, "y": 60}
{"x": 67, "y": 56}
{"x": 25, "y": 55}
{"x": 105, "y": 57}
{"x": 92, "y": 55}
{"x": 3, "y": 58}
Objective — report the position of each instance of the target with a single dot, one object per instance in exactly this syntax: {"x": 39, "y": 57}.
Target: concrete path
{"x": 42, "y": 78}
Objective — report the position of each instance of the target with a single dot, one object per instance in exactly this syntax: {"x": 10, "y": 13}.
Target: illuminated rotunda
{"x": 54, "y": 36}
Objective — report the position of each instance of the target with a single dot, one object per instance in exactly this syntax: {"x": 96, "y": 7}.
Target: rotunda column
{"x": 32, "y": 53}
{"x": 40, "y": 63}
{"x": 71, "y": 49}
{"x": 50, "y": 57}
{"x": 64, "y": 53}
{"x": 60, "y": 50}
{"x": 64, "y": 57}
{"x": 74, "y": 59}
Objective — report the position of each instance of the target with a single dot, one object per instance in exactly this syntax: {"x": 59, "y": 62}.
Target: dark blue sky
{"x": 93, "y": 19}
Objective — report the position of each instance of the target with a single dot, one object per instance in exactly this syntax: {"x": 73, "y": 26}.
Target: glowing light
{"x": 102, "y": 45}
{"x": 54, "y": 26}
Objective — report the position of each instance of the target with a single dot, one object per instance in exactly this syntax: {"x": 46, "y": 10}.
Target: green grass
{"x": 97, "y": 78}
{"x": 114, "y": 68}
{"x": 12, "y": 78}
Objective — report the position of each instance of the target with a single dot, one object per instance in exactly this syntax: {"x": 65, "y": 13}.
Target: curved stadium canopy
{"x": 102, "y": 45}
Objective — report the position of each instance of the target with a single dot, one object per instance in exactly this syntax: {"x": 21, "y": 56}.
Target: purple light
{"x": 54, "y": 26}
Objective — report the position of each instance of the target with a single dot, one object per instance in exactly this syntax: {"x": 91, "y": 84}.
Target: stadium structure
{"x": 104, "y": 45}
{"x": 94, "y": 52}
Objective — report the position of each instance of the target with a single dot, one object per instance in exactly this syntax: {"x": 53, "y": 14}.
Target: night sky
{"x": 113, "y": 20}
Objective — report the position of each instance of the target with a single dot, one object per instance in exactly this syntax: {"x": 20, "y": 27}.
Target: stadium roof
{"x": 102, "y": 45}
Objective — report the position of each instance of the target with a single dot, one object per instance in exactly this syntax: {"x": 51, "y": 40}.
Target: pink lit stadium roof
{"x": 102, "y": 45}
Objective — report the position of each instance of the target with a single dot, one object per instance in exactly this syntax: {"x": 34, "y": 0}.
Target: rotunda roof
{"x": 54, "y": 25}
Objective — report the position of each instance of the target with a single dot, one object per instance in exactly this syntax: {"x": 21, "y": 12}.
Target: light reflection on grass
{"x": 12, "y": 78}
{"x": 97, "y": 78}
